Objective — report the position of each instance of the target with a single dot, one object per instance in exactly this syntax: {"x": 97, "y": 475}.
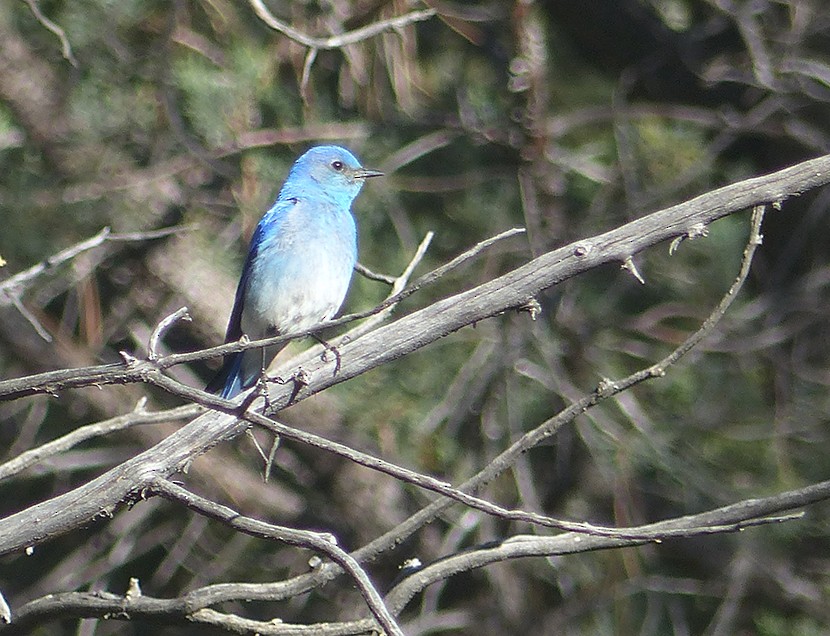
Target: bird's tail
{"x": 241, "y": 371}
{"x": 229, "y": 382}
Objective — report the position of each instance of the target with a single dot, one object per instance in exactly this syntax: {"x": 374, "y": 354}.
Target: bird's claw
{"x": 262, "y": 389}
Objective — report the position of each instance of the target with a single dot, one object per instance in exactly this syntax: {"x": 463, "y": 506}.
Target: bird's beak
{"x": 365, "y": 173}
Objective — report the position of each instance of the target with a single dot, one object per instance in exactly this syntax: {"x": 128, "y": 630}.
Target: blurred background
{"x": 567, "y": 117}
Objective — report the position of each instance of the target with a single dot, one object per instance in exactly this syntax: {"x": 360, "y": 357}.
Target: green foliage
{"x": 769, "y": 623}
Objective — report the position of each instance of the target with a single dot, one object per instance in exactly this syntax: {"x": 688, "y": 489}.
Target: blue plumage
{"x": 299, "y": 262}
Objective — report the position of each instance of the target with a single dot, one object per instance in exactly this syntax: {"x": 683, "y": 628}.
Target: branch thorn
{"x": 628, "y": 264}
{"x": 532, "y": 307}
{"x": 696, "y": 231}
{"x": 133, "y": 590}
{"x": 129, "y": 359}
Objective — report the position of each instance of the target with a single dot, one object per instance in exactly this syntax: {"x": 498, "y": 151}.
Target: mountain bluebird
{"x": 299, "y": 263}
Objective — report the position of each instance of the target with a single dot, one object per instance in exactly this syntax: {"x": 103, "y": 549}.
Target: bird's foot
{"x": 300, "y": 379}
{"x": 262, "y": 389}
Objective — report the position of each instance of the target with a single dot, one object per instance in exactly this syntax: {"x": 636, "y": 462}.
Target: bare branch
{"x": 368, "y": 273}
{"x": 607, "y": 389}
{"x": 570, "y": 543}
{"x": 306, "y": 76}
{"x": 31, "y": 318}
{"x": 192, "y": 606}
{"x": 162, "y": 328}
{"x": 323, "y": 543}
{"x": 385, "y": 309}
{"x": 137, "y": 417}
{"x": 66, "y": 48}
{"x": 343, "y": 39}
{"x": 15, "y": 285}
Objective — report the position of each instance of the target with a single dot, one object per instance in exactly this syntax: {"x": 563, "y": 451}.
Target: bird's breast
{"x": 301, "y": 273}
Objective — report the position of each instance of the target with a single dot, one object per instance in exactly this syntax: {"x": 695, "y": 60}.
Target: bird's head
{"x": 331, "y": 169}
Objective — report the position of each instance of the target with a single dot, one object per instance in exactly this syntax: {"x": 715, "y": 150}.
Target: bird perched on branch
{"x": 299, "y": 262}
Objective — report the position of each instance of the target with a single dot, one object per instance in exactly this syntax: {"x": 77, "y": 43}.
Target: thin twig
{"x": 138, "y": 417}
{"x": 11, "y": 290}
{"x": 342, "y": 39}
{"x": 162, "y": 328}
{"x": 306, "y": 75}
{"x": 388, "y": 305}
{"x": 14, "y": 285}
{"x": 522, "y": 546}
{"x": 66, "y": 48}
{"x": 31, "y": 318}
{"x": 152, "y": 234}
{"x": 368, "y": 273}
{"x": 445, "y": 269}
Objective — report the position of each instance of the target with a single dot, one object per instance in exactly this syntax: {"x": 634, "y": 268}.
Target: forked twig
{"x": 320, "y": 542}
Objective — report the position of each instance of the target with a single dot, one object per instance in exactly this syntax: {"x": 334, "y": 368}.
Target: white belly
{"x": 297, "y": 284}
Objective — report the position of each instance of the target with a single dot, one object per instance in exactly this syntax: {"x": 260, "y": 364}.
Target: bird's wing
{"x": 234, "y": 331}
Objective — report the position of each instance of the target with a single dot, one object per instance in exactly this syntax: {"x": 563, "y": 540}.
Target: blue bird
{"x": 299, "y": 262}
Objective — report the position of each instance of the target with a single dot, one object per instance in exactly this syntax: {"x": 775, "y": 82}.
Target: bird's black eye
{"x": 337, "y": 165}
